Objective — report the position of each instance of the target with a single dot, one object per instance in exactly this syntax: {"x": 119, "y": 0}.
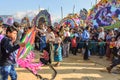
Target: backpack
{"x": 1, "y": 37}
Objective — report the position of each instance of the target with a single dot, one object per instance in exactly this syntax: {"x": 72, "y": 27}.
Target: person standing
{"x": 74, "y": 45}
{"x": 85, "y": 39}
{"x": 42, "y": 38}
{"x": 101, "y": 45}
{"x": 19, "y": 33}
{"x": 66, "y": 43}
{"x": 50, "y": 38}
{"x": 8, "y": 54}
{"x": 116, "y": 60}
{"x": 57, "y": 49}
{"x": 101, "y": 34}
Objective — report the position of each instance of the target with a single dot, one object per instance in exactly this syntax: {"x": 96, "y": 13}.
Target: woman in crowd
{"x": 57, "y": 49}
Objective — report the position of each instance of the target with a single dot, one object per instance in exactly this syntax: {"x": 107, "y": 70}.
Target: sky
{"x": 21, "y": 7}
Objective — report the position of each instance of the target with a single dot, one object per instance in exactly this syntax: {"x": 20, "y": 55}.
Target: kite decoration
{"x": 25, "y": 22}
{"x": 25, "y": 56}
{"x": 105, "y": 13}
{"x": 29, "y": 40}
{"x": 83, "y": 16}
{"x": 42, "y": 17}
{"x": 71, "y": 21}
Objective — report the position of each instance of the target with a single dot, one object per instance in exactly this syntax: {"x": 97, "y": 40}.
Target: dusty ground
{"x": 74, "y": 68}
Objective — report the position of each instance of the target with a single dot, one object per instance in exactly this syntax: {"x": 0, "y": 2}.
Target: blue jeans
{"x": 5, "y": 71}
{"x": 115, "y": 62}
{"x": 101, "y": 51}
{"x": 42, "y": 42}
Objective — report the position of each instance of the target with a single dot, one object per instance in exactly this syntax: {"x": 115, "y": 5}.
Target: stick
{"x": 37, "y": 75}
{"x": 55, "y": 72}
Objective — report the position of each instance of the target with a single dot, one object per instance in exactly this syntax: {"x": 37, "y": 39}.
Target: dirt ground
{"x": 74, "y": 68}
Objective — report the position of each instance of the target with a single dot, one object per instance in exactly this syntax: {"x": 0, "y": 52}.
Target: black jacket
{"x": 8, "y": 52}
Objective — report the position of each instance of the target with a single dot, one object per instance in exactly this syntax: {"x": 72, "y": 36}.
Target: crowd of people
{"x": 86, "y": 40}
{"x": 8, "y": 51}
{"x": 59, "y": 43}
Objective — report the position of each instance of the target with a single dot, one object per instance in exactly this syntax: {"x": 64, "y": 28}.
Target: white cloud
{"x": 55, "y": 18}
{"x": 29, "y": 13}
{"x": 32, "y": 13}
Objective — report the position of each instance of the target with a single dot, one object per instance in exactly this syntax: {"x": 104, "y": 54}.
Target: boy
{"x": 8, "y": 53}
{"x": 74, "y": 45}
{"x": 44, "y": 57}
{"x": 101, "y": 45}
{"x": 116, "y": 60}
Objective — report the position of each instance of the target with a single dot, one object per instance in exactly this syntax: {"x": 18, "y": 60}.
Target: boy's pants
{"x": 101, "y": 51}
{"x": 74, "y": 50}
{"x": 66, "y": 47}
{"x": 5, "y": 71}
{"x": 115, "y": 62}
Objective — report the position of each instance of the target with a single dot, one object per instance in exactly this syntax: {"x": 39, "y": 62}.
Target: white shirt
{"x": 58, "y": 39}
{"x": 101, "y": 35}
{"x": 66, "y": 34}
{"x": 50, "y": 37}
{"x": 118, "y": 43}
{"x": 43, "y": 32}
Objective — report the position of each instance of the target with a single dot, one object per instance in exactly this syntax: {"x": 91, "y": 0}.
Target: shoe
{"x": 100, "y": 57}
{"x": 64, "y": 57}
{"x": 109, "y": 69}
{"x": 87, "y": 59}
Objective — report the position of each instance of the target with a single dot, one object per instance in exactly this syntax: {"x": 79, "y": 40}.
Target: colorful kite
{"x": 29, "y": 40}
{"x": 25, "y": 56}
{"x": 71, "y": 20}
{"x": 105, "y": 13}
{"x": 42, "y": 17}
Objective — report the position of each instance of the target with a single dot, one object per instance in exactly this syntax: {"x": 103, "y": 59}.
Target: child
{"x": 112, "y": 47}
{"x": 115, "y": 62}
{"x": 101, "y": 45}
{"x": 93, "y": 45}
{"x": 44, "y": 57}
{"x": 116, "y": 59}
{"x": 42, "y": 38}
{"x": 74, "y": 45}
{"x": 57, "y": 49}
{"x": 8, "y": 53}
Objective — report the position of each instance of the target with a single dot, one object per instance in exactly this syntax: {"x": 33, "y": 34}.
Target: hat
{"x": 16, "y": 24}
{"x": 6, "y": 25}
{"x": 10, "y": 21}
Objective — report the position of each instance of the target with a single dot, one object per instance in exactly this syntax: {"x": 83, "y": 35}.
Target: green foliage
{"x": 116, "y": 25}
